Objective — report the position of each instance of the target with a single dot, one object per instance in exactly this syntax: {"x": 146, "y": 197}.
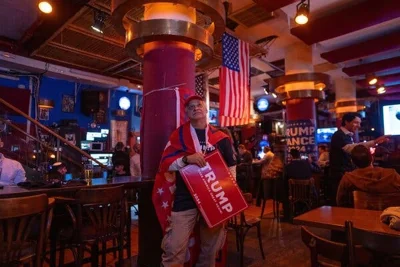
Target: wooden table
{"x": 150, "y": 233}
{"x": 126, "y": 181}
{"x": 333, "y": 218}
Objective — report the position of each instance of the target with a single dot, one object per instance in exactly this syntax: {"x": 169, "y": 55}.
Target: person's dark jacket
{"x": 298, "y": 169}
{"x": 340, "y": 161}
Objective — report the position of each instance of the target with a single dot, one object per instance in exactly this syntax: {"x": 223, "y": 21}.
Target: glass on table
{"x": 88, "y": 169}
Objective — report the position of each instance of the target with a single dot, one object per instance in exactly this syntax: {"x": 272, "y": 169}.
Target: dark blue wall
{"x": 54, "y": 89}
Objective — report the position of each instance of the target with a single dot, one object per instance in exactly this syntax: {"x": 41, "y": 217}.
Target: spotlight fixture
{"x": 45, "y": 7}
{"x": 381, "y": 89}
{"x": 265, "y": 87}
{"x": 302, "y": 12}
{"x": 98, "y": 21}
{"x": 371, "y": 79}
{"x": 274, "y": 95}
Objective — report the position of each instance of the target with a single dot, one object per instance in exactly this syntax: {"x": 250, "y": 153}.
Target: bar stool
{"x": 19, "y": 218}
{"x": 100, "y": 217}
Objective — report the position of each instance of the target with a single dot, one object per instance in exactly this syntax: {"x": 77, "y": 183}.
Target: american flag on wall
{"x": 234, "y": 82}
{"x": 199, "y": 87}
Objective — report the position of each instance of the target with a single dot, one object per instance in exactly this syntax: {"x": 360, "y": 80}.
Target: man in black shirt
{"x": 184, "y": 214}
{"x": 342, "y": 144}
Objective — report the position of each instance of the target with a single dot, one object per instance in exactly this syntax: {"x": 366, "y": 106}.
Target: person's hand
{"x": 382, "y": 139}
{"x": 198, "y": 159}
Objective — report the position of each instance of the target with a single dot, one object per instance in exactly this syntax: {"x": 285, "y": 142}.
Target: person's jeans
{"x": 176, "y": 240}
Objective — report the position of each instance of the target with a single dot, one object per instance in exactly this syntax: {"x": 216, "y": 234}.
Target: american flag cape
{"x": 180, "y": 144}
{"x": 234, "y": 82}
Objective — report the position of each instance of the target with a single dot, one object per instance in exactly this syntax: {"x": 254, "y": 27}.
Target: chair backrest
{"x": 372, "y": 201}
{"x": 372, "y": 241}
{"x": 105, "y": 208}
{"x": 300, "y": 190}
{"x": 19, "y": 218}
{"x": 326, "y": 248}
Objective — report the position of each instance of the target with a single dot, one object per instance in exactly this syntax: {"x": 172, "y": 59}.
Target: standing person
{"x": 243, "y": 169}
{"x": 135, "y": 161}
{"x": 342, "y": 144}
{"x": 121, "y": 157}
{"x": 175, "y": 207}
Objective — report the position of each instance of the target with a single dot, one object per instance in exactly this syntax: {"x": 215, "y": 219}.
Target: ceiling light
{"x": 98, "y": 21}
{"x": 274, "y": 95}
{"x": 371, "y": 79}
{"x": 302, "y": 12}
{"x": 45, "y": 7}
{"x": 381, "y": 89}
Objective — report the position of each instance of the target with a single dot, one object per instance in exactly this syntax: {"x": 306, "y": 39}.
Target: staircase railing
{"x": 69, "y": 159}
{"x": 51, "y": 132}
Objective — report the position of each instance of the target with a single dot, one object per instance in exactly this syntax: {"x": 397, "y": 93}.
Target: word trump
{"x": 300, "y": 136}
{"x": 217, "y": 189}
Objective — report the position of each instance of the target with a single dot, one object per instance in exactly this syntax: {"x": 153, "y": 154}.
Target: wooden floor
{"x": 282, "y": 243}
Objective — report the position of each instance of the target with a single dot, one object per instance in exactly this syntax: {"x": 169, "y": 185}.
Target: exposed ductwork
{"x": 380, "y": 44}
{"x": 386, "y": 64}
{"x": 356, "y": 17}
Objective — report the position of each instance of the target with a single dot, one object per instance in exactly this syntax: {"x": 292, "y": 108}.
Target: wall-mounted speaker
{"x": 90, "y": 102}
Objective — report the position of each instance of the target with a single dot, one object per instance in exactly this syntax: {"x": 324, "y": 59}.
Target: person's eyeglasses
{"x": 192, "y": 107}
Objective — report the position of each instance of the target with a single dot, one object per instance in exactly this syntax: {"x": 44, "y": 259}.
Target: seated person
{"x": 58, "y": 171}
{"x": 381, "y": 157}
{"x": 323, "y": 159}
{"x": 11, "y": 171}
{"x": 366, "y": 178}
{"x": 245, "y": 158}
{"x": 119, "y": 168}
{"x": 298, "y": 168}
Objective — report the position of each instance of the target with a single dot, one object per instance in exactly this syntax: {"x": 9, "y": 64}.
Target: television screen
{"x": 391, "y": 119}
{"x": 213, "y": 116}
{"x": 104, "y": 158}
{"x": 90, "y": 136}
{"x": 324, "y": 135}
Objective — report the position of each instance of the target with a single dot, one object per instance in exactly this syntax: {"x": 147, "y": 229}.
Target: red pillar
{"x": 166, "y": 64}
{"x": 301, "y": 125}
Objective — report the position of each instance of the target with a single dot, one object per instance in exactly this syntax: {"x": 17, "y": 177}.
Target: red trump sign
{"x": 214, "y": 190}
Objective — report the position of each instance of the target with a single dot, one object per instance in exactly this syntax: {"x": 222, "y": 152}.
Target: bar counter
{"x": 150, "y": 233}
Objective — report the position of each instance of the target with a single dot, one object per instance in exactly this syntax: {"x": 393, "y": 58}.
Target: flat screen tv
{"x": 391, "y": 119}
{"x": 324, "y": 135}
{"x": 213, "y": 116}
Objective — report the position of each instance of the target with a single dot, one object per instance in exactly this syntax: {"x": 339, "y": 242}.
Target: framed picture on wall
{"x": 44, "y": 114}
{"x": 68, "y": 103}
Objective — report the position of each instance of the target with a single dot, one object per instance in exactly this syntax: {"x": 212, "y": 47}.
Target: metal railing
{"x": 59, "y": 139}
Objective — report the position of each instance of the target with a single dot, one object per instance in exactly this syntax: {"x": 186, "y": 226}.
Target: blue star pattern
{"x": 230, "y": 55}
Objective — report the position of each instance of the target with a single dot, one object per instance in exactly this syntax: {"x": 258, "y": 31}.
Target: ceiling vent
{"x": 252, "y": 16}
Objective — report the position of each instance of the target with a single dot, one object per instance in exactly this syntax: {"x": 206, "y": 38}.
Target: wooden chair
{"x": 19, "y": 219}
{"x": 241, "y": 224}
{"x": 372, "y": 201}
{"x": 301, "y": 191}
{"x": 100, "y": 217}
{"x": 322, "y": 247}
{"x": 382, "y": 246}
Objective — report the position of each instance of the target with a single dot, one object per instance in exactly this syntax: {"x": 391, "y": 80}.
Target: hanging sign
{"x": 300, "y": 135}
